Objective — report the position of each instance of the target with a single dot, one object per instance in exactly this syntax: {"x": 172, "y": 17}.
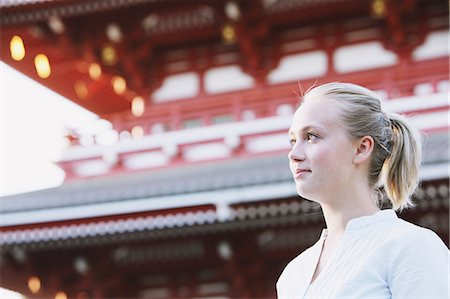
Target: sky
{"x": 33, "y": 124}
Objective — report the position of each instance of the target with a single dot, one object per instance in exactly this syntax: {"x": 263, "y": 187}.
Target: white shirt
{"x": 379, "y": 256}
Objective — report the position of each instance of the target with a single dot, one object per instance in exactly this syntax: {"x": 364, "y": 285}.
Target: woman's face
{"x": 321, "y": 158}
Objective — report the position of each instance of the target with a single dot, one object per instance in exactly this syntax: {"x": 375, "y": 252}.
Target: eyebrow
{"x": 305, "y": 129}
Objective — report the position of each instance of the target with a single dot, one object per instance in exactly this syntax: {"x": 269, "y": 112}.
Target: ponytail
{"x": 401, "y": 168}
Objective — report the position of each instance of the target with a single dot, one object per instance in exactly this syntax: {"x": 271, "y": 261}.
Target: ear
{"x": 363, "y": 149}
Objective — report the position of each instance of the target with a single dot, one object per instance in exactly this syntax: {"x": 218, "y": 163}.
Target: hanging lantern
{"x": 81, "y": 89}
{"x": 114, "y": 33}
{"x": 95, "y": 71}
{"x": 232, "y": 11}
{"x": 379, "y": 9}
{"x": 42, "y": 66}
{"x": 137, "y": 106}
{"x": 60, "y": 295}
{"x": 109, "y": 56}
{"x": 56, "y": 25}
{"x": 228, "y": 34}
{"x": 17, "y": 48}
{"x": 34, "y": 284}
{"x": 119, "y": 84}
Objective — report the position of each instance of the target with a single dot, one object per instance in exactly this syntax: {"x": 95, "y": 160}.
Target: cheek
{"x": 324, "y": 155}
{"x": 328, "y": 160}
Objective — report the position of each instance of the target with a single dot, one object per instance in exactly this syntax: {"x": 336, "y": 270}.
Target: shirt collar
{"x": 382, "y": 215}
{"x": 362, "y": 221}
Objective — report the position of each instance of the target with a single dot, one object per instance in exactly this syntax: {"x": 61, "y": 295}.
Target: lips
{"x": 301, "y": 172}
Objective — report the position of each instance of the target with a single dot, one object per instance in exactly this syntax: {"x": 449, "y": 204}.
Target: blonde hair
{"x": 396, "y": 156}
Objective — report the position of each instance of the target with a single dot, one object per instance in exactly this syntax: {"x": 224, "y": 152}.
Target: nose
{"x": 296, "y": 154}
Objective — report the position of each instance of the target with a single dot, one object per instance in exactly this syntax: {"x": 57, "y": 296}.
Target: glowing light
{"x": 81, "y": 264}
{"x": 379, "y": 8}
{"x": 232, "y": 11}
{"x": 109, "y": 56}
{"x": 56, "y": 25}
{"x": 137, "y": 106}
{"x": 42, "y": 66}
{"x": 81, "y": 89}
{"x": 60, "y": 295}
{"x": 114, "y": 33}
{"x": 17, "y": 48}
{"x": 34, "y": 284}
{"x": 119, "y": 84}
{"x": 228, "y": 34}
{"x": 95, "y": 71}
{"x": 149, "y": 22}
{"x": 137, "y": 132}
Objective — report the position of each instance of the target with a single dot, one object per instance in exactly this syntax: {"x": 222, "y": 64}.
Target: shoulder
{"x": 409, "y": 234}
{"x": 419, "y": 262}
{"x": 410, "y": 243}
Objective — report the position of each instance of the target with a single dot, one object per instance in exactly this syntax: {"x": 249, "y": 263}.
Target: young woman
{"x": 344, "y": 148}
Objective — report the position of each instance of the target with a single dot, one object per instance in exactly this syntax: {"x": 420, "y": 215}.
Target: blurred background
{"x": 168, "y": 123}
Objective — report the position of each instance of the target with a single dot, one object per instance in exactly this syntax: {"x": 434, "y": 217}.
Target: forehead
{"x": 315, "y": 111}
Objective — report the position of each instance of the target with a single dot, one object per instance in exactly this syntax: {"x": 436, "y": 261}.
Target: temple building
{"x": 194, "y": 198}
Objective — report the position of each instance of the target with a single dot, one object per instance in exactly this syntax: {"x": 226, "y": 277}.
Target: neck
{"x": 339, "y": 211}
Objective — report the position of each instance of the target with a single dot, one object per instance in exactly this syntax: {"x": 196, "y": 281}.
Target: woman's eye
{"x": 311, "y": 137}
{"x": 292, "y": 141}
